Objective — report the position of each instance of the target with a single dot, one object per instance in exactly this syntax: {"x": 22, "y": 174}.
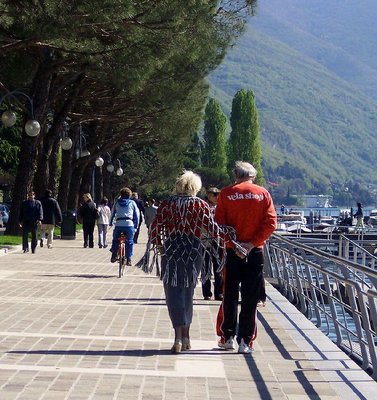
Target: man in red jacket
{"x": 249, "y": 209}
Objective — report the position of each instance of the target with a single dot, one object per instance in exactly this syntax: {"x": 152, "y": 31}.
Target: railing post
{"x": 338, "y": 295}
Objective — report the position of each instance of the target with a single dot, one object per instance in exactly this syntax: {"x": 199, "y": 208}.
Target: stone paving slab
{"x": 70, "y": 329}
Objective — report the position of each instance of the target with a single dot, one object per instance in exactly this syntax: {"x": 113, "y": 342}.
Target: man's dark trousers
{"x": 249, "y": 273}
{"x": 29, "y": 226}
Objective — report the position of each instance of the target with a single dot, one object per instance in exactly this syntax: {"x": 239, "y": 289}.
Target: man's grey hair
{"x": 244, "y": 170}
{"x": 188, "y": 184}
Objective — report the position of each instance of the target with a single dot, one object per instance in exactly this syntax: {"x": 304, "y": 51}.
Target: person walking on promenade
{"x": 87, "y": 215}
{"x": 31, "y": 215}
{"x": 359, "y": 215}
{"x": 249, "y": 209}
{"x": 127, "y": 217}
{"x": 210, "y": 262}
{"x": 52, "y": 215}
{"x": 103, "y": 221}
{"x": 150, "y": 212}
{"x": 176, "y": 234}
{"x": 140, "y": 205}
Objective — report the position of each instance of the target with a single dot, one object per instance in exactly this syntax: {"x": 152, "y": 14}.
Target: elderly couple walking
{"x": 244, "y": 218}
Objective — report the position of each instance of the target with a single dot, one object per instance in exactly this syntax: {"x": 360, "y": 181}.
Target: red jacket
{"x": 249, "y": 209}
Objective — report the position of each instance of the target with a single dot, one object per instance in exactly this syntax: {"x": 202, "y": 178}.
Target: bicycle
{"x": 122, "y": 254}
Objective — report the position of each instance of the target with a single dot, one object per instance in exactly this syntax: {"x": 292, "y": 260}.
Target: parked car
{"x": 4, "y": 214}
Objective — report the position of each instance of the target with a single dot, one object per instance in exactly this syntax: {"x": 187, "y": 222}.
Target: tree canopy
{"x": 128, "y": 72}
{"x": 244, "y": 140}
{"x": 214, "y": 147}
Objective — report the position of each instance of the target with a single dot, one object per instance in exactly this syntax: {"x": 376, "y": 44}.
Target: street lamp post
{"x": 99, "y": 162}
{"x": 9, "y": 117}
{"x": 82, "y": 150}
{"x": 16, "y": 103}
{"x": 102, "y": 161}
{"x": 119, "y": 170}
{"x": 110, "y": 165}
{"x": 65, "y": 141}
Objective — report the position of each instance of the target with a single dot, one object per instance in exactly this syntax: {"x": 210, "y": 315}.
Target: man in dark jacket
{"x": 51, "y": 215}
{"x": 31, "y": 215}
{"x": 140, "y": 206}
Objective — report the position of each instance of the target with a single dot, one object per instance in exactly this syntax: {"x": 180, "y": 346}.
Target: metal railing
{"x": 338, "y": 295}
{"x": 358, "y": 251}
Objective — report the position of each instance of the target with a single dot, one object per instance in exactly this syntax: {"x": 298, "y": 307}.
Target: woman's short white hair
{"x": 244, "y": 170}
{"x": 188, "y": 184}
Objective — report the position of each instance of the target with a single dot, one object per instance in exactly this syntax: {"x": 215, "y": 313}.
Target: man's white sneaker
{"x": 228, "y": 345}
{"x": 243, "y": 348}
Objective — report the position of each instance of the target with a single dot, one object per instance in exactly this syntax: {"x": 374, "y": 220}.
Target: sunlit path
{"x": 70, "y": 329}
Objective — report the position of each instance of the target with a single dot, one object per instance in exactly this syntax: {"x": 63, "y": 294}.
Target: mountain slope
{"x": 341, "y": 35}
{"x": 312, "y": 120}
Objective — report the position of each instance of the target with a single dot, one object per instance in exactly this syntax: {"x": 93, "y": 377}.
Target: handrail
{"x": 346, "y": 245}
{"x": 319, "y": 252}
{"x": 338, "y": 295}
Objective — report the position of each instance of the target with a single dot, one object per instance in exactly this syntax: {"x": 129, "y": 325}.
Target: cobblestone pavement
{"x": 70, "y": 329}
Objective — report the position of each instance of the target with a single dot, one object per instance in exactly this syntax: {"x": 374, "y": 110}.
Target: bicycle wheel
{"x": 121, "y": 266}
{"x": 122, "y": 260}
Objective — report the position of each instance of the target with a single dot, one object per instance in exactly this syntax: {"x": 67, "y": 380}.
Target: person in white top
{"x": 103, "y": 222}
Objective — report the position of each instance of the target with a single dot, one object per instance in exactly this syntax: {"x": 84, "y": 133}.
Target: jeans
{"x": 129, "y": 232}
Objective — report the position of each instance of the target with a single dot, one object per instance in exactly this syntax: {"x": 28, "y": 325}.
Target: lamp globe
{"x": 66, "y": 143}
{"x": 8, "y": 118}
{"x": 32, "y": 127}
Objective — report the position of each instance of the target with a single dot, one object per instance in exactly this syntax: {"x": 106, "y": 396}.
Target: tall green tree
{"x": 244, "y": 140}
{"x": 193, "y": 154}
{"x": 214, "y": 147}
{"x": 131, "y": 71}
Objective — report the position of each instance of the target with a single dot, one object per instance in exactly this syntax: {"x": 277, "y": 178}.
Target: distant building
{"x": 313, "y": 200}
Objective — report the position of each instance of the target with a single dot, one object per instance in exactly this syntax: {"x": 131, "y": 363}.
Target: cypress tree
{"x": 214, "y": 148}
{"x": 244, "y": 140}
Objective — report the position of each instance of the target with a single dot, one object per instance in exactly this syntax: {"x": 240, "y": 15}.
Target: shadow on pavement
{"x": 109, "y": 353}
{"x": 127, "y": 353}
{"x": 133, "y": 299}
{"x": 86, "y": 276}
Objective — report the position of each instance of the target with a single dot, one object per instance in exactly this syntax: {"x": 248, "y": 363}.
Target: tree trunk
{"x": 22, "y": 184}
{"x": 28, "y": 151}
{"x": 41, "y": 177}
{"x": 98, "y": 184}
{"x": 53, "y": 168}
{"x": 86, "y": 183}
{"x": 75, "y": 186}
{"x": 65, "y": 179}
{"x": 46, "y": 170}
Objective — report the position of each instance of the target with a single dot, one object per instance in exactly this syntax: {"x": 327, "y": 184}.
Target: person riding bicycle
{"x": 127, "y": 215}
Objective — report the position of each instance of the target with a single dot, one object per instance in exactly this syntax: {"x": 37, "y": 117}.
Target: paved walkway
{"x": 70, "y": 329}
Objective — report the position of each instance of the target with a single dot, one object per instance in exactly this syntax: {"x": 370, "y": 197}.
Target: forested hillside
{"x": 339, "y": 34}
{"x": 317, "y": 117}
